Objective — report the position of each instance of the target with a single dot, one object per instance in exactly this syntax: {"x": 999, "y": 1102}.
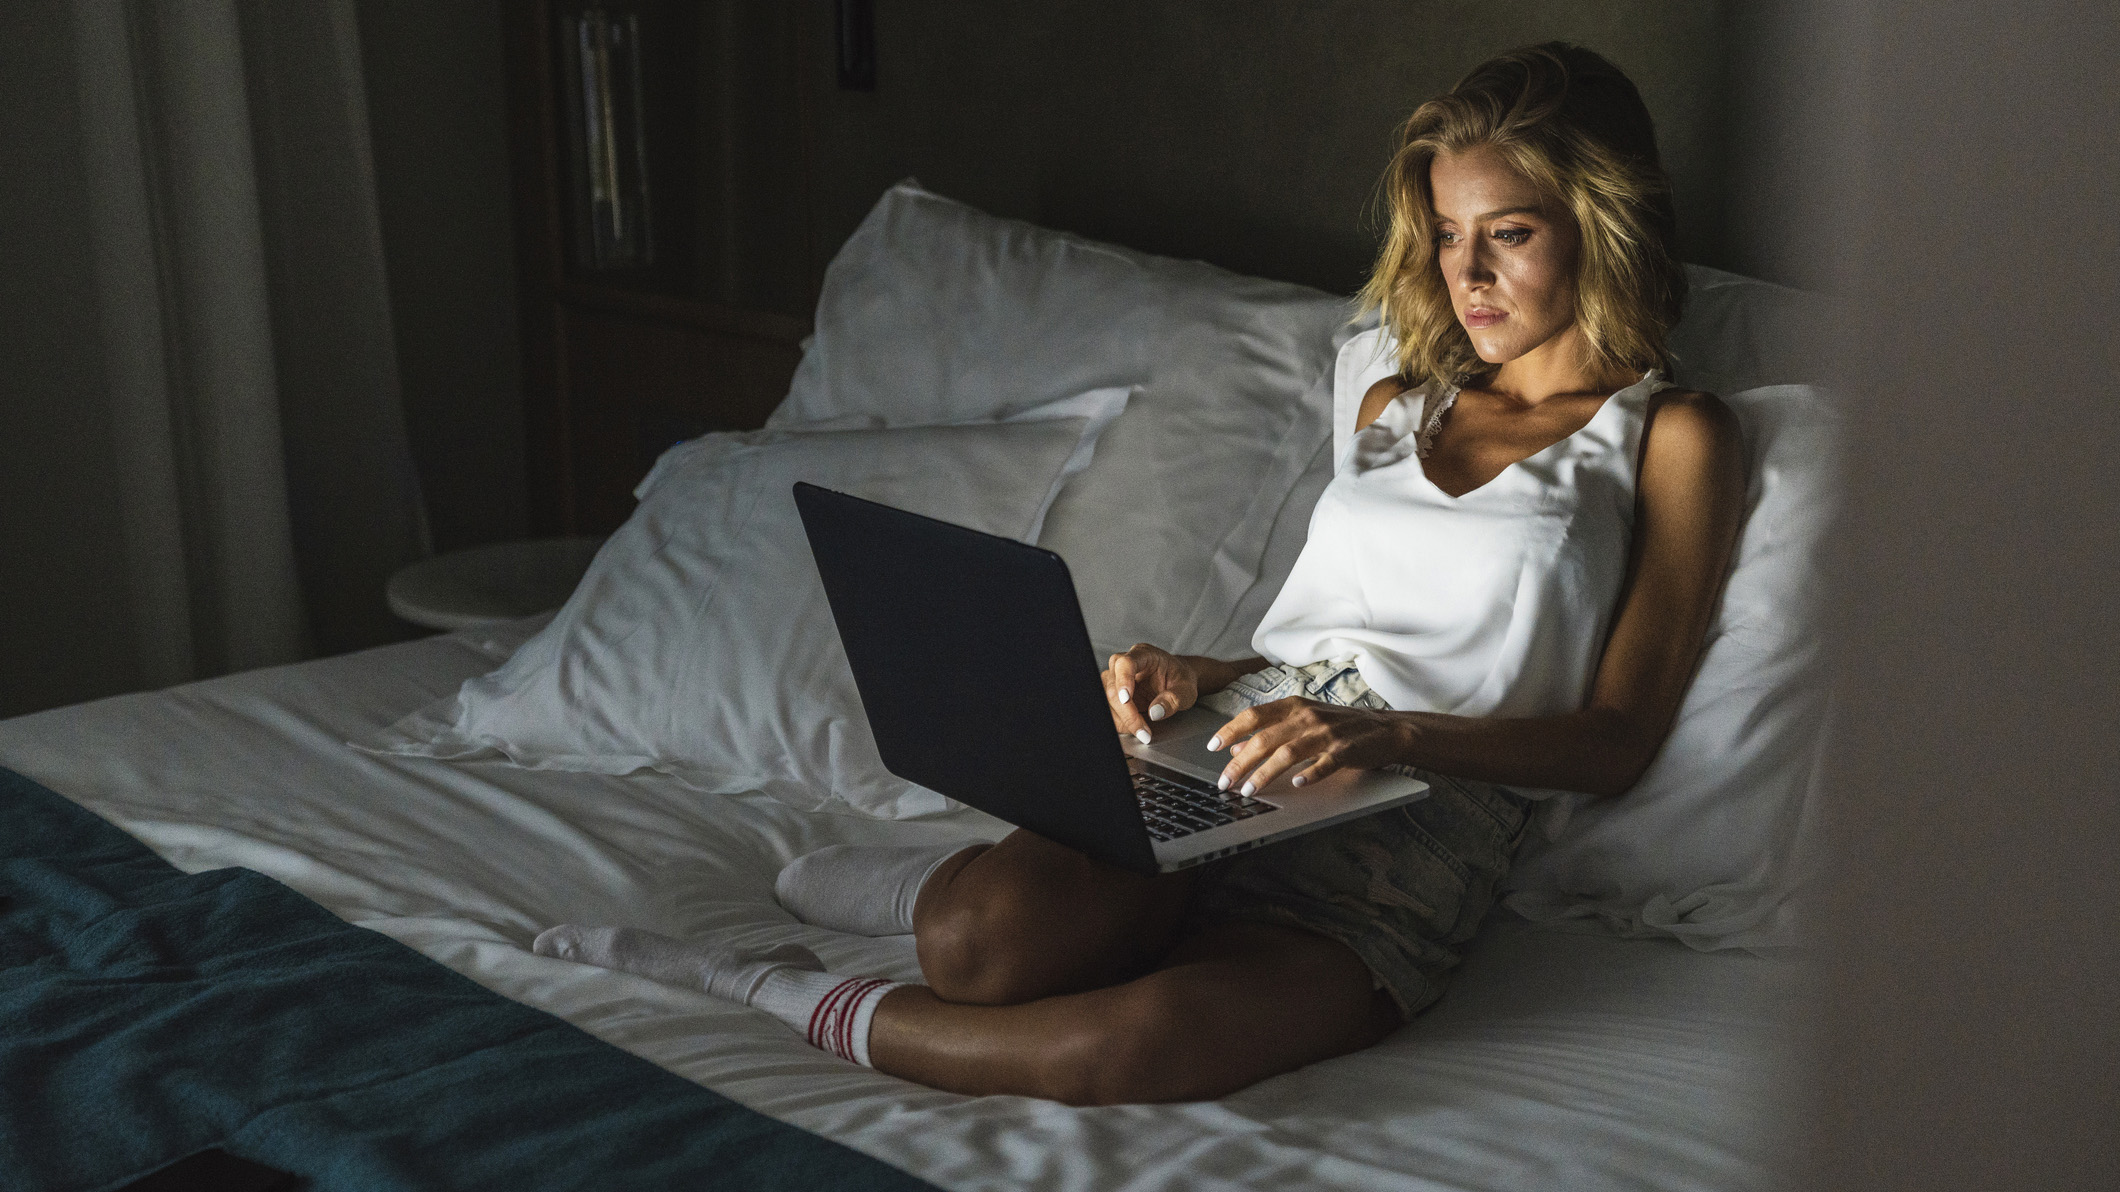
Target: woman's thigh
{"x": 1029, "y": 918}
{"x": 1251, "y": 1000}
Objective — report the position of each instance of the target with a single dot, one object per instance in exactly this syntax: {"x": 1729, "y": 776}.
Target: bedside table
{"x": 486, "y": 585}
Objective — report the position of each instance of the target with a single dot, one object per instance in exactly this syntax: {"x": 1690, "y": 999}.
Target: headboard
{"x": 1248, "y": 133}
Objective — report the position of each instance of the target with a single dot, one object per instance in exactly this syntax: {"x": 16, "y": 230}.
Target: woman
{"x": 1505, "y": 593}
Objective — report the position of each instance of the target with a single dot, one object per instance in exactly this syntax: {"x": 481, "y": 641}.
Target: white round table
{"x": 486, "y": 585}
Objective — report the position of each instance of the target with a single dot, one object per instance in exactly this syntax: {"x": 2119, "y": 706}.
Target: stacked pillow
{"x": 934, "y": 311}
{"x": 700, "y": 643}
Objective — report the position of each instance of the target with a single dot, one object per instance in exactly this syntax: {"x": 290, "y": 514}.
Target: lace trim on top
{"x": 1433, "y": 407}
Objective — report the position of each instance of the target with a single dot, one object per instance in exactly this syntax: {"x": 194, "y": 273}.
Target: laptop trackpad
{"x": 1181, "y": 743}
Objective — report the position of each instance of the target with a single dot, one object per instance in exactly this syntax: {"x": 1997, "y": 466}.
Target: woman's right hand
{"x": 1149, "y": 683}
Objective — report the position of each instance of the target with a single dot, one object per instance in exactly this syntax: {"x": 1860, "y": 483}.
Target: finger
{"x": 1125, "y": 712}
{"x": 1252, "y": 720}
{"x": 1154, "y": 689}
{"x": 1152, "y": 682}
{"x": 1240, "y": 726}
{"x": 1321, "y": 766}
{"x": 1111, "y": 701}
{"x": 1278, "y": 761}
{"x": 1173, "y": 698}
{"x": 1181, "y": 690}
{"x": 1272, "y": 725}
{"x": 1249, "y": 754}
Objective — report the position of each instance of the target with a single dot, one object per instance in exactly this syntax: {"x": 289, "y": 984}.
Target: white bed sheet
{"x": 1560, "y": 1060}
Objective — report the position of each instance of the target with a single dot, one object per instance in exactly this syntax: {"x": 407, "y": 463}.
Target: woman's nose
{"x": 1478, "y": 267}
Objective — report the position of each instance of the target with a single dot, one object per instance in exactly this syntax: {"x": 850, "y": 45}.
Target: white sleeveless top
{"x": 1495, "y": 603}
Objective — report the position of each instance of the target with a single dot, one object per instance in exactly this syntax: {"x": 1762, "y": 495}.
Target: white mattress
{"x": 1558, "y": 1061}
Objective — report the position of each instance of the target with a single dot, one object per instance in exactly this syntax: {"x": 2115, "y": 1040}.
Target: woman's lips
{"x": 1481, "y": 316}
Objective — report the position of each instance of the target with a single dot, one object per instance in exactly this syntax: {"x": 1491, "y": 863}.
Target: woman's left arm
{"x": 1689, "y": 503}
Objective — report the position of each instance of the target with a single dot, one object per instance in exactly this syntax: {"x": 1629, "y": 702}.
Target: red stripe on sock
{"x": 842, "y": 1010}
{"x": 832, "y": 1022}
{"x": 848, "y": 1015}
{"x": 820, "y": 1018}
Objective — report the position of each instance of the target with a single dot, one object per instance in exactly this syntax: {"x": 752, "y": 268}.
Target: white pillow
{"x": 933, "y": 309}
{"x": 700, "y": 643}
{"x": 1741, "y": 333}
{"x": 1707, "y": 846}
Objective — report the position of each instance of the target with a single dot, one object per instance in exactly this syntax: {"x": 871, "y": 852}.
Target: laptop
{"x": 979, "y": 681}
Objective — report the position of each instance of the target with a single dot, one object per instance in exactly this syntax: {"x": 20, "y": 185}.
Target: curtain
{"x": 263, "y": 473}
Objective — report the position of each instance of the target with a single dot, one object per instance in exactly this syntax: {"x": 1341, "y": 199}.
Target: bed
{"x": 1625, "y": 1024}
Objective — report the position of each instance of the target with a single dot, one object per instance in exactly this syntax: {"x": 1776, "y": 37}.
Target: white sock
{"x": 861, "y": 889}
{"x": 788, "y": 982}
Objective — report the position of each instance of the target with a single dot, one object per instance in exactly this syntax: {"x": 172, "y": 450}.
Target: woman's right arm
{"x": 1150, "y": 683}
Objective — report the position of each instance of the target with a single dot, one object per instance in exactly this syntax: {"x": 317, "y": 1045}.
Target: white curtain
{"x": 265, "y": 481}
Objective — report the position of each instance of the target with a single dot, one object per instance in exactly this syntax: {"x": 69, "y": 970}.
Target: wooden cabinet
{"x": 628, "y": 354}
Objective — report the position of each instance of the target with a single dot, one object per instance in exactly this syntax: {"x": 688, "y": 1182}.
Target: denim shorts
{"x": 1404, "y": 888}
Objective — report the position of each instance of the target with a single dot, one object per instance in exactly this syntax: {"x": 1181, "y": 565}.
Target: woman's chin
{"x": 1494, "y": 353}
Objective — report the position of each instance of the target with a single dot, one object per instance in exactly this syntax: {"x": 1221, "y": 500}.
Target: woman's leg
{"x": 1230, "y": 1006}
{"x": 1027, "y": 919}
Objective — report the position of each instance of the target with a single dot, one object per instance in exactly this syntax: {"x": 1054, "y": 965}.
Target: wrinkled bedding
{"x": 151, "y": 1015}
{"x": 1561, "y": 1059}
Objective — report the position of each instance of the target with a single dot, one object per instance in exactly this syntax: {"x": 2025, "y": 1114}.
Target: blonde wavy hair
{"x": 1574, "y": 125}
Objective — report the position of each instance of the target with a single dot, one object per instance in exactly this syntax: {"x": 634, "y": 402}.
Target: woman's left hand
{"x": 1286, "y": 733}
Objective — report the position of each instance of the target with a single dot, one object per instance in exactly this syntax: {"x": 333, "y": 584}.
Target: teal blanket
{"x": 146, "y": 1014}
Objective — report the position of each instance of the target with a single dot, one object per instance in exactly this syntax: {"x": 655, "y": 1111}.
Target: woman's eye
{"x": 1446, "y": 237}
{"x": 1513, "y": 235}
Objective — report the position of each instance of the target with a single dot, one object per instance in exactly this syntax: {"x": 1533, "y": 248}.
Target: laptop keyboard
{"x": 1172, "y": 809}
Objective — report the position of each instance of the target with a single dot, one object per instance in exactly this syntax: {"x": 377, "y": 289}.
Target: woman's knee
{"x": 970, "y": 953}
{"x": 1028, "y": 920}
{"x": 970, "y": 928}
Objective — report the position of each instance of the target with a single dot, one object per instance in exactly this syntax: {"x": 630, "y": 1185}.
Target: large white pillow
{"x": 1742, "y": 333}
{"x": 700, "y": 643}
{"x": 933, "y": 310}
{"x": 1707, "y": 846}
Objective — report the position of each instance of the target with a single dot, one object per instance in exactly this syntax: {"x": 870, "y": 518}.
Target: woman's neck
{"x": 1561, "y": 367}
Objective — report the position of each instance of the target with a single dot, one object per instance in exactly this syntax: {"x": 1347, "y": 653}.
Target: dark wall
{"x": 1245, "y": 132}
{"x": 1249, "y": 133}
{"x": 438, "y": 114}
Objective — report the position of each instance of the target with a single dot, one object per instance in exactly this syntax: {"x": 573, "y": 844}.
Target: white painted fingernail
{"x": 1141, "y": 735}
{"x": 1214, "y": 744}
{"x": 1157, "y": 711}
{"x": 1125, "y": 696}
{"x": 1298, "y": 780}
{"x": 1222, "y": 783}
{"x": 1248, "y": 789}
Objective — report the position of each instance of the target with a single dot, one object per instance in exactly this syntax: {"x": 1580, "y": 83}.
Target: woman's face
{"x": 1507, "y": 254}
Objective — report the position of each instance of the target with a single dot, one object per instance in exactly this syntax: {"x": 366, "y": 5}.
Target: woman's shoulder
{"x": 1693, "y": 413}
{"x": 1691, "y": 433}
{"x": 1379, "y": 398}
